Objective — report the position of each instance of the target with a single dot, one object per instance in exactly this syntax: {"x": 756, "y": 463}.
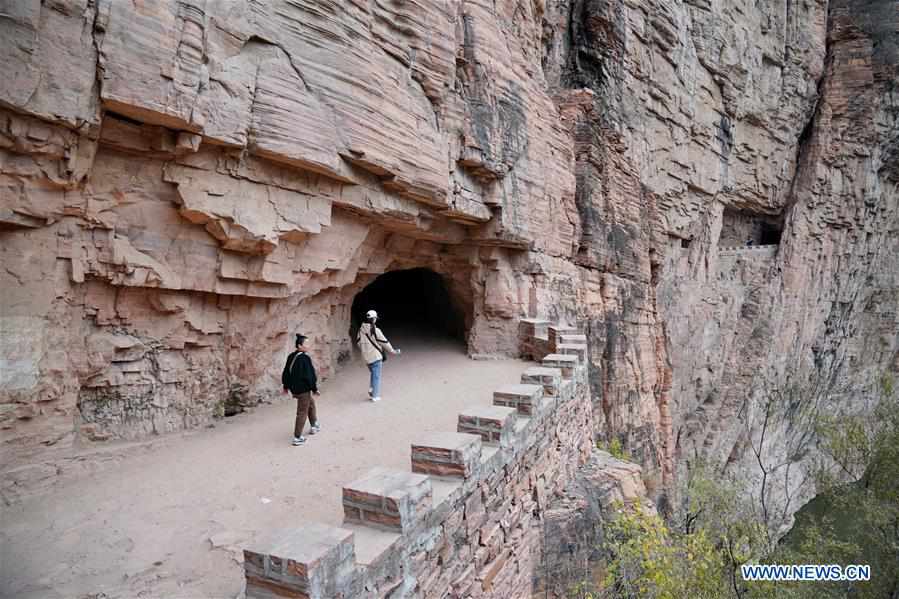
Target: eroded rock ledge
{"x": 184, "y": 183}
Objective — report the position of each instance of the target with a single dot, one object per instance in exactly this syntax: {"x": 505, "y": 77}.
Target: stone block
{"x": 533, "y": 327}
{"x": 526, "y": 399}
{"x": 447, "y": 454}
{"x": 307, "y": 562}
{"x": 532, "y": 338}
{"x": 573, "y": 349}
{"x": 567, "y": 389}
{"x": 555, "y": 332}
{"x": 534, "y": 349}
{"x": 565, "y": 363}
{"x": 549, "y": 378}
{"x": 578, "y": 339}
{"x": 494, "y": 424}
{"x": 392, "y": 499}
{"x": 488, "y": 573}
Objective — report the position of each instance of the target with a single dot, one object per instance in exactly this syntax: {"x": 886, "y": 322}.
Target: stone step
{"x": 391, "y": 499}
{"x": 447, "y": 454}
{"x": 494, "y": 424}
{"x": 555, "y": 332}
{"x": 524, "y": 398}
{"x": 573, "y": 349}
{"x": 487, "y": 453}
{"x": 533, "y": 327}
{"x": 305, "y": 561}
{"x": 549, "y": 378}
{"x": 566, "y": 363}
{"x": 573, "y": 338}
{"x": 372, "y": 544}
{"x": 445, "y": 489}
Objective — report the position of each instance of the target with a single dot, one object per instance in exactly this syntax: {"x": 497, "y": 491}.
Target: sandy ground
{"x": 170, "y": 521}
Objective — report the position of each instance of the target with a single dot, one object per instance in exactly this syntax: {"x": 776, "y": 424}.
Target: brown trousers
{"x": 305, "y": 405}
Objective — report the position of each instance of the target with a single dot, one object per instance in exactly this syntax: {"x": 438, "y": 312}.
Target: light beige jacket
{"x": 370, "y": 351}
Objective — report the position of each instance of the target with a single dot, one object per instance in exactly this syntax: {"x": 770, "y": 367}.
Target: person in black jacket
{"x": 299, "y": 378}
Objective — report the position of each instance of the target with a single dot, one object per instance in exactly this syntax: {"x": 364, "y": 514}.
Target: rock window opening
{"x": 770, "y": 234}
{"x": 414, "y": 303}
{"x": 746, "y": 229}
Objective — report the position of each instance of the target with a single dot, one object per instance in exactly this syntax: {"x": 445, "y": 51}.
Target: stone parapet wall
{"x": 759, "y": 251}
{"x": 537, "y": 338}
{"x": 466, "y": 522}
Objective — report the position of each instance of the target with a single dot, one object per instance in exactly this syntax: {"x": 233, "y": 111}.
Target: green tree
{"x": 857, "y": 521}
{"x": 651, "y": 560}
{"x": 720, "y": 525}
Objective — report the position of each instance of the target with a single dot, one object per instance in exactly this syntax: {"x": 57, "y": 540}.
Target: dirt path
{"x": 170, "y": 522}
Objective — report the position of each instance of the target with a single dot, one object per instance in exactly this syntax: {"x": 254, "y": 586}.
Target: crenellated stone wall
{"x": 467, "y": 520}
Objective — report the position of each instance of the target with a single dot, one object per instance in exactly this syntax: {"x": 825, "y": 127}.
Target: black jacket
{"x": 299, "y": 374}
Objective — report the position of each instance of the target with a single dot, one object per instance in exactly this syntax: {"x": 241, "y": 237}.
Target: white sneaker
{"x": 376, "y": 398}
{"x": 314, "y": 428}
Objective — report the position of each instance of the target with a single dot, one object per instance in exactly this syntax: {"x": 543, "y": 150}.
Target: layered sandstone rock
{"x": 710, "y": 125}
{"x": 185, "y": 182}
{"x": 572, "y": 546}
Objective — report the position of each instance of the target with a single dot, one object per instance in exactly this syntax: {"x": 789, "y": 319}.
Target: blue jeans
{"x": 375, "y": 383}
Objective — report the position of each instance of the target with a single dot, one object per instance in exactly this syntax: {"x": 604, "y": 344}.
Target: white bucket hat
{"x": 371, "y": 315}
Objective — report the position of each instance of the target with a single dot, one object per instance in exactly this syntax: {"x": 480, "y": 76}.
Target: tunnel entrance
{"x": 413, "y": 302}
{"x": 743, "y": 228}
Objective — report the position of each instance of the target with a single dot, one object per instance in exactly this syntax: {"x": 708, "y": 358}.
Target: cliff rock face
{"x": 738, "y": 204}
{"x": 571, "y": 549}
{"x": 185, "y": 182}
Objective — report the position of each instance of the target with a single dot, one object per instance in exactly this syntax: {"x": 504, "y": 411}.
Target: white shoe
{"x": 376, "y": 399}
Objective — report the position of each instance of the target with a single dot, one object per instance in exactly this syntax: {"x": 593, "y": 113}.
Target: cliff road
{"x": 170, "y": 518}
{"x": 684, "y": 214}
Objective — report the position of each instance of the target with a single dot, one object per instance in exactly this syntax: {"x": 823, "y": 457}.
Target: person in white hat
{"x": 375, "y": 347}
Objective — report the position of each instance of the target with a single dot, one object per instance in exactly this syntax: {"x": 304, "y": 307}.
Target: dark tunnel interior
{"x": 415, "y": 301}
